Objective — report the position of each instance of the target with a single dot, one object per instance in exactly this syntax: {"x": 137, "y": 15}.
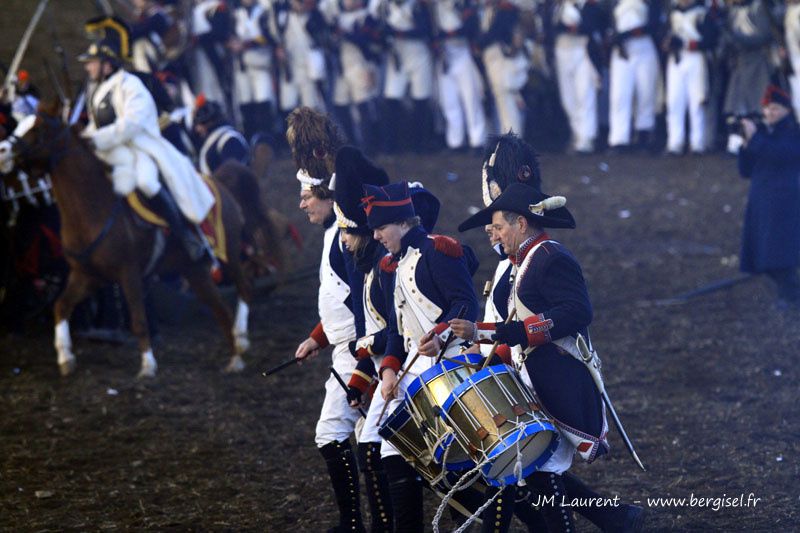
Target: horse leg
{"x": 131, "y": 283}
{"x": 78, "y": 286}
{"x": 244, "y": 291}
{"x": 203, "y": 286}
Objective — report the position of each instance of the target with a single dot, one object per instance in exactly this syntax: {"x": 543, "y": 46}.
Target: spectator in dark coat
{"x": 771, "y": 159}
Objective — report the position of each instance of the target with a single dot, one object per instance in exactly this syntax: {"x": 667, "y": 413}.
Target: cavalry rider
{"x": 123, "y": 128}
{"x": 314, "y": 140}
{"x": 432, "y": 285}
{"x": 218, "y": 141}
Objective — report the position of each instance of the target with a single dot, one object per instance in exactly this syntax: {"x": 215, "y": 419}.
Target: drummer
{"x": 509, "y": 160}
{"x": 551, "y": 302}
{"x": 432, "y": 284}
{"x": 353, "y": 169}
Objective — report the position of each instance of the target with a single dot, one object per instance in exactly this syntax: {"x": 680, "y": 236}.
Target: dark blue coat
{"x": 444, "y": 277}
{"x": 553, "y": 286}
{"x": 771, "y": 234}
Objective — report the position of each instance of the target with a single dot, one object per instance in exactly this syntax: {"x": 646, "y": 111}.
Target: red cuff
{"x": 537, "y": 329}
{"x": 392, "y": 362}
{"x": 360, "y": 381}
{"x": 442, "y": 330}
{"x": 319, "y": 335}
{"x": 485, "y": 332}
{"x": 503, "y": 351}
{"x": 694, "y": 45}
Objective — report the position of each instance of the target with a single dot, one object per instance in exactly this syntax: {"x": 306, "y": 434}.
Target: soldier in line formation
{"x": 418, "y": 75}
{"x": 448, "y": 73}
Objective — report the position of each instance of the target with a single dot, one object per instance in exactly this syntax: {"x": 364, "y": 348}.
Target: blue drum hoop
{"x": 512, "y": 440}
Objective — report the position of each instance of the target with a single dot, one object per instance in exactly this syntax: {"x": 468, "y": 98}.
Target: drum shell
{"x": 489, "y": 412}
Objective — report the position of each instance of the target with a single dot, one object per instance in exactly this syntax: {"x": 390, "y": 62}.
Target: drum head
{"x": 533, "y": 445}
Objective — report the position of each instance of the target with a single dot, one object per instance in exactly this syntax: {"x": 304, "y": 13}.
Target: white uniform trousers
{"x": 502, "y": 73}
{"x": 578, "y": 82}
{"x": 206, "y": 77}
{"x": 302, "y": 89}
{"x": 337, "y": 420}
{"x": 252, "y": 77}
{"x": 369, "y": 431}
{"x": 415, "y": 69}
{"x": 461, "y": 95}
{"x": 632, "y": 80}
{"x": 358, "y": 81}
{"x": 686, "y": 90}
{"x": 794, "y": 83}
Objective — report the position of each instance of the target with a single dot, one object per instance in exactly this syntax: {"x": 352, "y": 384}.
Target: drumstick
{"x": 346, "y": 390}
{"x": 280, "y": 367}
{"x": 497, "y": 342}
{"x": 450, "y": 336}
{"x": 463, "y": 363}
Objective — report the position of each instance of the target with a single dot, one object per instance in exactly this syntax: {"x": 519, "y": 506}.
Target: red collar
{"x": 526, "y": 247}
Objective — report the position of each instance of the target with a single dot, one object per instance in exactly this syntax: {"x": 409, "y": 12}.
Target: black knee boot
{"x": 405, "y": 487}
{"x": 421, "y": 134}
{"x": 526, "y": 512}
{"x": 547, "y": 491}
{"x": 165, "y": 206}
{"x": 377, "y": 486}
{"x": 497, "y": 517}
{"x": 345, "y": 120}
{"x": 392, "y": 116}
{"x": 367, "y": 125}
{"x": 343, "y": 471}
{"x": 617, "y": 519}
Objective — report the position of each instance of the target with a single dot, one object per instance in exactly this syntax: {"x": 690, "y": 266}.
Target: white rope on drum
{"x": 458, "y": 486}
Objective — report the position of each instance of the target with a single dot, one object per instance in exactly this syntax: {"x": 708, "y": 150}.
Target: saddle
{"x": 212, "y": 227}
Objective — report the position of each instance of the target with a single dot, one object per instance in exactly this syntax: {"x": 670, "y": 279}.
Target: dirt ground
{"x": 707, "y": 389}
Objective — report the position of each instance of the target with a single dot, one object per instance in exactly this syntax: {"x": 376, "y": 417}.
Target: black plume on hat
{"x": 353, "y": 170}
{"x": 543, "y": 210}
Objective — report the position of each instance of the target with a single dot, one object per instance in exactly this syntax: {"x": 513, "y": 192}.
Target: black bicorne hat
{"x": 426, "y": 205}
{"x": 353, "y": 170}
{"x": 543, "y": 210}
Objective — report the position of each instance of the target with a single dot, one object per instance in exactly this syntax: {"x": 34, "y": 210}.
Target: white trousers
{"x": 369, "y": 432}
{"x": 687, "y": 83}
{"x": 633, "y": 82}
{"x": 415, "y": 68}
{"x": 301, "y": 89}
{"x": 461, "y": 95}
{"x": 337, "y": 419}
{"x": 502, "y": 75}
{"x": 578, "y": 82}
{"x": 252, "y": 77}
{"x": 358, "y": 81}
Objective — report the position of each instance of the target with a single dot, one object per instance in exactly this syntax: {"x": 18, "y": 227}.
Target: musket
{"x": 590, "y": 359}
{"x": 346, "y": 390}
{"x": 51, "y": 74}
{"x": 11, "y": 74}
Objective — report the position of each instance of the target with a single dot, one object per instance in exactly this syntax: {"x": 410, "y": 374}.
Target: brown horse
{"x": 104, "y": 242}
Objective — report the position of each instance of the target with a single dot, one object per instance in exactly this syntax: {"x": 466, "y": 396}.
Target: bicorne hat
{"x": 353, "y": 171}
{"x": 540, "y": 209}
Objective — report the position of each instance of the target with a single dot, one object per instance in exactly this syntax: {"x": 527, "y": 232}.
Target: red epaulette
{"x": 447, "y": 245}
{"x": 388, "y": 264}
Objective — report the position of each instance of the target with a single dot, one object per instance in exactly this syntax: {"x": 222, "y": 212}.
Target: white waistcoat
{"x": 337, "y": 319}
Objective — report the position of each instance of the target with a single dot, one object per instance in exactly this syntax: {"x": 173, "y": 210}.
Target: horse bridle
{"x": 22, "y": 149}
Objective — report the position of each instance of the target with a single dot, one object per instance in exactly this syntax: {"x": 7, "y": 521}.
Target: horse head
{"x": 36, "y": 143}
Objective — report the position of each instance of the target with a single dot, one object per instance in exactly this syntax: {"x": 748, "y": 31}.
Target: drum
{"x": 401, "y": 431}
{"x": 427, "y": 394}
{"x": 495, "y": 417}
